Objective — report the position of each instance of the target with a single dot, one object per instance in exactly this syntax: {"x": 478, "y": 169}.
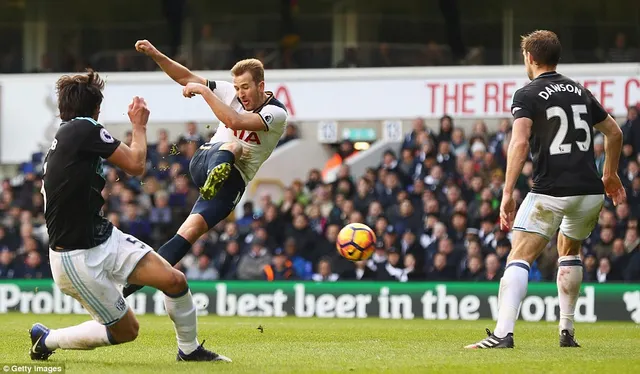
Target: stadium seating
{"x": 430, "y": 199}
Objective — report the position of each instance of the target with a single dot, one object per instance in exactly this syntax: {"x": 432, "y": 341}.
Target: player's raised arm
{"x": 226, "y": 114}
{"x": 132, "y": 159}
{"x": 173, "y": 69}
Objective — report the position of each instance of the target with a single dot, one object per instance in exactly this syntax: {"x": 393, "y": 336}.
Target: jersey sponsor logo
{"x": 247, "y": 136}
{"x": 105, "y": 136}
{"x": 515, "y": 109}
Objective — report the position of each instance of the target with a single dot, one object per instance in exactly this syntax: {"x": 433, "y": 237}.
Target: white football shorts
{"x": 576, "y": 216}
{"x": 92, "y": 276}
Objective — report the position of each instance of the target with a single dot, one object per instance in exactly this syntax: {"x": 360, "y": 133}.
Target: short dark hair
{"x": 79, "y": 95}
{"x": 544, "y": 46}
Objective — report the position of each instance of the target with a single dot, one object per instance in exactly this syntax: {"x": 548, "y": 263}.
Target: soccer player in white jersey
{"x": 251, "y": 124}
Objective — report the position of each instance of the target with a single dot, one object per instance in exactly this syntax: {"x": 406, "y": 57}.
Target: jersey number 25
{"x": 557, "y": 146}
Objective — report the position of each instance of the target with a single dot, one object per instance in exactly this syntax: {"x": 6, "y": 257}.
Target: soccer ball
{"x": 356, "y": 242}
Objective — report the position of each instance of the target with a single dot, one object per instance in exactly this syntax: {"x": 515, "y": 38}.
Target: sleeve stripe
{"x": 263, "y": 121}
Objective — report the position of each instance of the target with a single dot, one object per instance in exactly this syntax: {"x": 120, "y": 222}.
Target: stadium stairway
{"x": 294, "y": 159}
{"x": 372, "y": 157}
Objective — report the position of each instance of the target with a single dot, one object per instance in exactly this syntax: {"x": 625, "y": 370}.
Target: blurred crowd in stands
{"x": 210, "y": 52}
{"x": 433, "y": 204}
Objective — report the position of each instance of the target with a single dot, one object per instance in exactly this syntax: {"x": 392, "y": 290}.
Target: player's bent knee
{"x": 126, "y": 330}
{"x": 177, "y": 283}
{"x": 193, "y": 228}
{"x": 234, "y": 147}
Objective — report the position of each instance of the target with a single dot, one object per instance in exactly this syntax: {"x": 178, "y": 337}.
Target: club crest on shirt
{"x": 105, "y": 136}
{"x": 268, "y": 118}
{"x": 121, "y": 305}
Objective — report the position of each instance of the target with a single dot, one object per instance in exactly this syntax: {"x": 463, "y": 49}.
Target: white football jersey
{"x": 257, "y": 145}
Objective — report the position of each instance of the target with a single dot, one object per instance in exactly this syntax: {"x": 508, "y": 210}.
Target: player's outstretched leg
{"x": 154, "y": 271}
{"x": 513, "y": 289}
{"x": 568, "y": 280}
{"x": 213, "y": 168}
{"x": 85, "y": 336}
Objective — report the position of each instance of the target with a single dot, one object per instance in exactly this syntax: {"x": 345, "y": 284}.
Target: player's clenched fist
{"x": 145, "y": 46}
{"x": 192, "y": 89}
{"x": 138, "y": 112}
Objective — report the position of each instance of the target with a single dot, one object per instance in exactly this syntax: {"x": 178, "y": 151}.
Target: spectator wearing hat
{"x": 478, "y": 150}
{"x": 252, "y": 264}
{"x": 325, "y": 273}
{"x": 503, "y": 248}
{"x": 390, "y": 237}
{"x": 379, "y": 256}
{"x": 392, "y": 269}
{"x": 280, "y": 267}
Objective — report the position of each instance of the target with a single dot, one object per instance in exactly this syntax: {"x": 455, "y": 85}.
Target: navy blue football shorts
{"x": 220, "y": 206}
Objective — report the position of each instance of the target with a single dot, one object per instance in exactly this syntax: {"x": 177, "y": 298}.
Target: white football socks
{"x": 513, "y": 288}
{"x": 87, "y": 335}
{"x": 182, "y": 312}
{"x": 569, "y": 280}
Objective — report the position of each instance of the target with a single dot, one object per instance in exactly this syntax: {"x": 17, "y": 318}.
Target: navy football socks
{"x": 175, "y": 249}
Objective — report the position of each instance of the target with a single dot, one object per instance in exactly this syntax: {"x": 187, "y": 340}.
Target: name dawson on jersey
{"x": 551, "y": 89}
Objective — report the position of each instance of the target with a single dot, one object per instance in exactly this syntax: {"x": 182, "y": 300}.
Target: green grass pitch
{"x": 291, "y": 345}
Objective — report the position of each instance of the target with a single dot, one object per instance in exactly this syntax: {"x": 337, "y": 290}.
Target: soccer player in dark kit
{"x": 90, "y": 258}
{"x": 554, "y": 118}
